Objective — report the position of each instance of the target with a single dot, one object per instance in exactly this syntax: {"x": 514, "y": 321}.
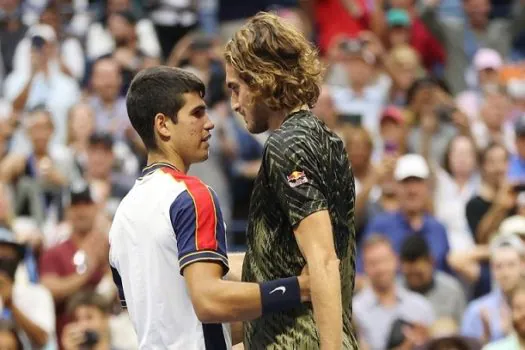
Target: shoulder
{"x": 415, "y": 299}
{"x": 477, "y": 304}
{"x": 297, "y": 127}
{"x": 448, "y": 282}
{"x": 385, "y": 218}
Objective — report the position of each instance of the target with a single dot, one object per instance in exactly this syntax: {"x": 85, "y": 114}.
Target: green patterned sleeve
{"x": 292, "y": 166}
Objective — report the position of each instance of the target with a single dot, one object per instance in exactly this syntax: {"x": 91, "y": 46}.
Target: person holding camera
{"x": 90, "y": 326}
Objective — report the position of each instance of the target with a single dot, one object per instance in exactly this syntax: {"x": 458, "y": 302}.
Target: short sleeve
{"x": 49, "y": 264}
{"x": 294, "y": 175}
{"x": 199, "y": 228}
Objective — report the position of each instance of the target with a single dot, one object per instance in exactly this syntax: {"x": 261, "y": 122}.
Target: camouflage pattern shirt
{"x": 305, "y": 169}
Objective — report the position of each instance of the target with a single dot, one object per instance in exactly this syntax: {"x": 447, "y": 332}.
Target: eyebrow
{"x": 198, "y": 108}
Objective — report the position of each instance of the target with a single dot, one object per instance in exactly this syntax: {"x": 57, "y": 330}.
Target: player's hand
{"x": 304, "y": 284}
{"x": 72, "y": 336}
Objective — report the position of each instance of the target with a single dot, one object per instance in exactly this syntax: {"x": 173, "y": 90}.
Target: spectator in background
{"x": 325, "y": 110}
{"x": 68, "y": 55}
{"x": 517, "y": 306}
{"x": 493, "y": 126}
{"x": 462, "y": 41}
{"x": 456, "y": 182}
{"x": 487, "y": 64}
{"x": 80, "y": 262}
{"x": 99, "y": 39}
{"x": 108, "y": 185}
{"x": 109, "y": 106}
{"x": 405, "y": 60}
{"x": 392, "y": 129}
{"x": 89, "y": 327}
{"x": 173, "y": 19}
{"x": 378, "y": 307}
{"x": 516, "y": 93}
{"x": 368, "y": 89}
{"x": 413, "y": 190}
{"x": 402, "y": 22}
{"x": 38, "y": 176}
{"x": 127, "y": 52}
{"x": 488, "y": 318}
{"x": 44, "y": 83}
{"x": 29, "y": 306}
{"x": 335, "y": 18}
{"x": 12, "y": 30}
{"x": 516, "y": 172}
{"x": 443, "y": 291}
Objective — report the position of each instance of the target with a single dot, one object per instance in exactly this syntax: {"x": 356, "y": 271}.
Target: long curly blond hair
{"x": 276, "y": 61}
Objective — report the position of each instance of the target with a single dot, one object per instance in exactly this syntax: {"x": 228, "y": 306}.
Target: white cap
{"x": 512, "y": 241}
{"x": 411, "y": 165}
{"x": 514, "y": 225}
{"x": 43, "y": 30}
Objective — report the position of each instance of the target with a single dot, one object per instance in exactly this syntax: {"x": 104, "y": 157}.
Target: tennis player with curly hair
{"x": 302, "y": 206}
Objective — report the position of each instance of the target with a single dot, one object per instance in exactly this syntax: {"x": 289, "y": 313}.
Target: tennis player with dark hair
{"x": 167, "y": 241}
{"x": 302, "y": 206}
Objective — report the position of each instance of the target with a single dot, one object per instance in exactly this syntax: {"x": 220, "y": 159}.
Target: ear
{"x": 160, "y": 125}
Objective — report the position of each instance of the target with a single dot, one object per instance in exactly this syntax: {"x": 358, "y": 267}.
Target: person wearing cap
{"x": 491, "y": 312}
{"x": 516, "y": 172}
{"x": 461, "y": 42}
{"x": 70, "y": 55}
{"x": 79, "y": 262}
{"x": 367, "y": 92}
{"x": 29, "y": 306}
{"x": 392, "y": 131}
{"x": 42, "y": 82}
{"x": 485, "y": 79}
{"x": 403, "y": 17}
{"x": 413, "y": 191}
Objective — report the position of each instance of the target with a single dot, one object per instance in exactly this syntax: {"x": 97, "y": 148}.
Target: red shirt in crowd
{"x": 333, "y": 19}
{"x": 426, "y": 44}
{"x": 58, "y": 261}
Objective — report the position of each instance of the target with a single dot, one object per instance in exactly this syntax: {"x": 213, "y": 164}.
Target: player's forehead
{"x": 192, "y": 101}
{"x": 232, "y": 77}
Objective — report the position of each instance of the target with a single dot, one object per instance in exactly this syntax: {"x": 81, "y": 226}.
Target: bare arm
{"x": 490, "y": 222}
{"x": 216, "y": 300}
{"x": 315, "y": 239}
{"x": 63, "y": 287}
{"x": 37, "y": 335}
{"x": 11, "y": 167}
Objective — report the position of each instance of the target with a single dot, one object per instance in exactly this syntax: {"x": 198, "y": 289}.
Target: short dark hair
{"x": 158, "y": 90}
{"x": 88, "y": 298}
{"x": 414, "y": 247}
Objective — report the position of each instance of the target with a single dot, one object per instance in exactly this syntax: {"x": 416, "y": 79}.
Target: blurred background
{"x": 427, "y": 95}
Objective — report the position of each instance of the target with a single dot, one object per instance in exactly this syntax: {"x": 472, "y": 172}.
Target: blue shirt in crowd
{"x": 472, "y": 325}
{"x": 395, "y": 226}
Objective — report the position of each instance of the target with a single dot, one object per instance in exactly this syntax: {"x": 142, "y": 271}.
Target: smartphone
{"x": 37, "y": 42}
{"x": 390, "y": 147}
{"x": 352, "y": 118}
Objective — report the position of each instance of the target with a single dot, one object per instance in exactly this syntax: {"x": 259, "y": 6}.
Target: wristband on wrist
{"x": 280, "y": 295}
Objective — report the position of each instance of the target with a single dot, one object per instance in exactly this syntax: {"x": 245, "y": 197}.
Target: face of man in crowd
{"x": 477, "y": 10}
{"x": 255, "y": 113}
{"x": 91, "y": 318}
{"x": 418, "y": 274}
{"x": 82, "y": 217}
{"x": 495, "y": 166}
{"x": 462, "y": 157}
{"x": 107, "y": 79}
{"x": 507, "y": 268}
{"x": 413, "y": 194}
{"x": 40, "y": 130}
{"x": 380, "y": 263}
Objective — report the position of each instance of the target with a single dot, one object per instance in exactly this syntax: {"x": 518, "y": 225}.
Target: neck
{"x": 462, "y": 179}
{"x": 386, "y": 296}
{"x": 478, "y": 25}
{"x": 415, "y": 219}
{"x": 278, "y": 117}
{"x": 77, "y": 238}
{"x": 173, "y": 159}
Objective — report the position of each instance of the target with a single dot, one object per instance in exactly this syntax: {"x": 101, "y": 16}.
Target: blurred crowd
{"x": 428, "y": 96}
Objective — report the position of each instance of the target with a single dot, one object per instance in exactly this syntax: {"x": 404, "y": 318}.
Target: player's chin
{"x": 255, "y": 128}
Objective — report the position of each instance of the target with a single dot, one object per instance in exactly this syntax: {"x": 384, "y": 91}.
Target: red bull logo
{"x": 297, "y": 178}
